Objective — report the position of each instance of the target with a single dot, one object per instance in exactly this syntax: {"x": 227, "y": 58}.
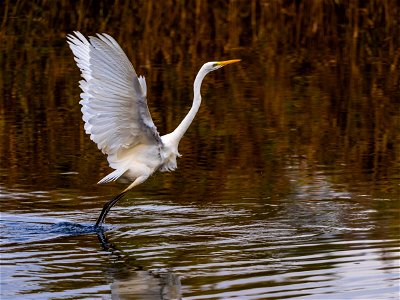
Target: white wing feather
{"x": 114, "y": 104}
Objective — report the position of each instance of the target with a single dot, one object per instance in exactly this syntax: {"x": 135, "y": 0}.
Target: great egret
{"x": 116, "y": 115}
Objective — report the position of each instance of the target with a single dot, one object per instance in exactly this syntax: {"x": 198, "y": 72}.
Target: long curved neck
{"x": 178, "y": 133}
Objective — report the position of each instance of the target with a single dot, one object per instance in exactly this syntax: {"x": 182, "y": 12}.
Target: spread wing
{"x": 114, "y": 104}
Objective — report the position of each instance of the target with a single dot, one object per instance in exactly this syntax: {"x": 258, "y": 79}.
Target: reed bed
{"x": 289, "y": 45}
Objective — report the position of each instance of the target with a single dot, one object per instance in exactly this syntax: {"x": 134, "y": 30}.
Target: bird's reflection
{"x": 129, "y": 280}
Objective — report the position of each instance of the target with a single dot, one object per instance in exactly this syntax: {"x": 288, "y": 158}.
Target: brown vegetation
{"x": 319, "y": 80}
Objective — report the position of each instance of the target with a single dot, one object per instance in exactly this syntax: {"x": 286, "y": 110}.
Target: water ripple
{"x": 218, "y": 252}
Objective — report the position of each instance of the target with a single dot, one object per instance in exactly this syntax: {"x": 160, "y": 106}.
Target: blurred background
{"x": 303, "y": 132}
{"x": 343, "y": 57}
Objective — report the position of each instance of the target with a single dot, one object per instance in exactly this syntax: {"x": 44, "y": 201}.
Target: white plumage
{"x": 116, "y": 115}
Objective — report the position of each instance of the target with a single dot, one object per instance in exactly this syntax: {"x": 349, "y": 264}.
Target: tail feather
{"x": 113, "y": 176}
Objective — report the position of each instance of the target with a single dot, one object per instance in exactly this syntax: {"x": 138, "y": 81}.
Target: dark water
{"x": 288, "y": 186}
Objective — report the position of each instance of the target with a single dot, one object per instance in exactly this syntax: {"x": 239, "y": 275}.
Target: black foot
{"x": 106, "y": 209}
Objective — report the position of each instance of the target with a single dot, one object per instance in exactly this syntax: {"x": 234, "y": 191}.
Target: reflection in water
{"x": 246, "y": 249}
{"x": 130, "y": 281}
{"x": 142, "y": 285}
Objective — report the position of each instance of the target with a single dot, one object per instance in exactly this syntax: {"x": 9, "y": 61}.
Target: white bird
{"x": 116, "y": 115}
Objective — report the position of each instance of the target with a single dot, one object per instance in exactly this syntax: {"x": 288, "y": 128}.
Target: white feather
{"x": 114, "y": 104}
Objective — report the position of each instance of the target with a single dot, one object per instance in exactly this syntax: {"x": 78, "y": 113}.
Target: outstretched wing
{"x": 114, "y": 104}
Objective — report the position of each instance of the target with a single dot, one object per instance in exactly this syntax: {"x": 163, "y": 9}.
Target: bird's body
{"x": 116, "y": 115}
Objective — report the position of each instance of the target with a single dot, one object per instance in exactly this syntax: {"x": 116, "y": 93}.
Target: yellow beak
{"x": 227, "y": 62}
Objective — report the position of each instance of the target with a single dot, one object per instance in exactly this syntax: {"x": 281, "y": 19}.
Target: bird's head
{"x": 214, "y": 65}
{"x": 207, "y": 68}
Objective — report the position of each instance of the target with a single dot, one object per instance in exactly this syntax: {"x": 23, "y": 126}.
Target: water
{"x": 318, "y": 242}
{"x": 288, "y": 186}
{"x": 250, "y": 249}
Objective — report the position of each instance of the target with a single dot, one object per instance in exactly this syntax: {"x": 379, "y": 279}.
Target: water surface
{"x": 288, "y": 186}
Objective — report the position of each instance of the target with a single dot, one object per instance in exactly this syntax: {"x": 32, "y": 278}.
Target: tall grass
{"x": 285, "y": 46}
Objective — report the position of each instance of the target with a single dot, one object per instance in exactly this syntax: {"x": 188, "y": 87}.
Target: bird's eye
{"x": 215, "y": 65}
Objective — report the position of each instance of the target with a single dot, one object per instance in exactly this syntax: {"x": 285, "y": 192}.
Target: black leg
{"x": 106, "y": 209}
